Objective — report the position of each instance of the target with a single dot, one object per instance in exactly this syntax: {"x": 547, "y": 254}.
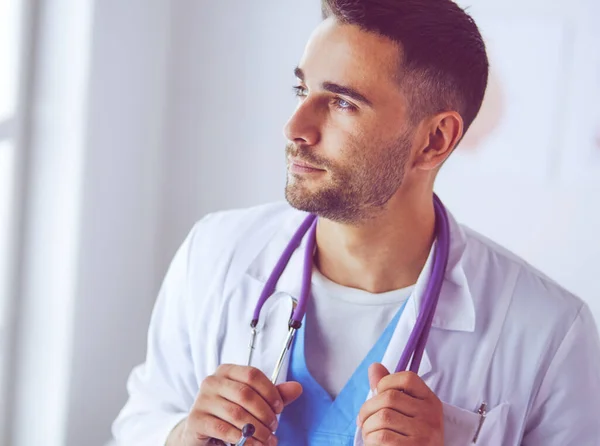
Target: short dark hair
{"x": 444, "y": 64}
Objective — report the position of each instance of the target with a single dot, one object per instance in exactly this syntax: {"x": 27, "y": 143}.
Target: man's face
{"x": 351, "y": 122}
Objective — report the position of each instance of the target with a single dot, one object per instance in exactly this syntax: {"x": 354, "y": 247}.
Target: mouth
{"x": 300, "y": 167}
{"x": 304, "y": 165}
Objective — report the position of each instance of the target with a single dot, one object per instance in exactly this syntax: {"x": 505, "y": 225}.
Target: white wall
{"x": 118, "y": 278}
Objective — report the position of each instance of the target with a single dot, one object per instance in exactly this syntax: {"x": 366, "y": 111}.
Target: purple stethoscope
{"x": 418, "y": 337}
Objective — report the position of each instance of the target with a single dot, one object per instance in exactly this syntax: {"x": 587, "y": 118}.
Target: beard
{"x": 355, "y": 190}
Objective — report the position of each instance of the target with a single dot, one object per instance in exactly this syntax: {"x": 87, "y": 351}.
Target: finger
{"x": 289, "y": 391}
{"x": 376, "y": 372}
{"x": 238, "y": 417}
{"x": 408, "y": 382}
{"x": 244, "y": 396}
{"x": 207, "y": 426}
{"x": 384, "y": 436}
{"x": 389, "y": 419}
{"x": 256, "y": 379}
{"x": 391, "y": 399}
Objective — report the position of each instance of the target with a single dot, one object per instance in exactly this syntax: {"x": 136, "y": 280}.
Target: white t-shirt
{"x": 342, "y": 325}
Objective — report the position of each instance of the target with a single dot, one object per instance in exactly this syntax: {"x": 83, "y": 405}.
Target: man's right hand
{"x": 234, "y": 396}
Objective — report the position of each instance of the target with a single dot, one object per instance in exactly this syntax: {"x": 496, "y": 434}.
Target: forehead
{"x": 347, "y": 55}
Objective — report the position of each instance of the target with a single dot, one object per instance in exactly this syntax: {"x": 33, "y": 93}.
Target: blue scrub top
{"x": 315, "y": 418}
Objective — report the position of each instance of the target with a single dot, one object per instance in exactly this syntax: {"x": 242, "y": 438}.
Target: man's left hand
{"x": 404, "y": 411}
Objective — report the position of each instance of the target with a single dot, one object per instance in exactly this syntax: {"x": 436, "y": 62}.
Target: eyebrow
{"x": 337, "y": 89}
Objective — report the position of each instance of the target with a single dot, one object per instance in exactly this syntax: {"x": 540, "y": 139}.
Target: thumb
{"x": 289, "y": 391}
{"x": 376, "y": 372}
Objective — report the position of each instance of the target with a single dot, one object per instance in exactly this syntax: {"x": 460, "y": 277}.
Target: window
{"x": 10, "y": 39}
{"x": 6, "y": 193}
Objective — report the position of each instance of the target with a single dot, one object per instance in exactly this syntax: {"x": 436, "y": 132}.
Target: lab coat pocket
{"x": 493, "y": 429}
{"x": 462, "y": 427}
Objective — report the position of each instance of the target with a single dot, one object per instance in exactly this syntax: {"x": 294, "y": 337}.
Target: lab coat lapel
{"x": 261, "y": 267}
{"x": 455, "y": 309}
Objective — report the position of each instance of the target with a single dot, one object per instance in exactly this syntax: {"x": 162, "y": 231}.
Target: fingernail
{"x": 358, "y": 420}
{"x": 278, "y": 406}
{"x": 274, "y": 425}
{"x": 272, "y": 441}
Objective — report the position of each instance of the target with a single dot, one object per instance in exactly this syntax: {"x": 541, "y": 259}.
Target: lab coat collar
{"x": 455, "y": 309}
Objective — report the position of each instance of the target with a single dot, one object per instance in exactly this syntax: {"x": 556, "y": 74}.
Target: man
{"x": 387, "y": 89}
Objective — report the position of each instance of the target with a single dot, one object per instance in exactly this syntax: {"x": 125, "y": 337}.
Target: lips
{"x": 305, "y": 165}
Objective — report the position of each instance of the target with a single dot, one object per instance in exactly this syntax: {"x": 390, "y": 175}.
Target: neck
{"x": 381, "y": 254}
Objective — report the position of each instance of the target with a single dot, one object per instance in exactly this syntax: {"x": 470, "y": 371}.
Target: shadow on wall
{"x": 489, "y": 118}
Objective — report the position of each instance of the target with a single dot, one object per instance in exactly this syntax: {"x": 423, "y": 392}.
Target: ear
{"x": 443, "y": 132}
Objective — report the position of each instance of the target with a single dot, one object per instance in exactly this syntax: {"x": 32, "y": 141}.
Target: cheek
{"x": 349, "y": 153}
{"x": 337, "y": 145}
{"x": 351, "y": 148}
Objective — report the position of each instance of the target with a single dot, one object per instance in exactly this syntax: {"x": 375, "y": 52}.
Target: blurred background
{"x": 124, "y": 122}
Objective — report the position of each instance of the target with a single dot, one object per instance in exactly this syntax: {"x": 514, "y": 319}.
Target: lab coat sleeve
{"x": 162, "y": 389}
{"x": 566, "y": 410}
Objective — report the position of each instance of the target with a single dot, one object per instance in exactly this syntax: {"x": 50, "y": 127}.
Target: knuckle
{"x": 220, "y": 369}
{"x": 389, "y": 397}
{"x": 246, "y": 394}
{"x": 223, "y": 369}
{"x": 253, "y": 374}
{"x": 195, "y": 414}
{"x": 381, "y": 437}
{"x": 386, "y": 416}
{"x": 221, "y": 428}
{"x": 209, "y": 426}
{"x": 237, "y": 413}
{"x": 411, "y": 378}
{"x": 208, "y": 383}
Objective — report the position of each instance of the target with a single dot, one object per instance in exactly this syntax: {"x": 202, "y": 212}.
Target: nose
{"x": 303, "y": 127}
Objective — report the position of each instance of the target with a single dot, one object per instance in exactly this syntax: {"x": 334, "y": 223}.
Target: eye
{"x": 300, "y": 91}
{"x": 344, "y": 105}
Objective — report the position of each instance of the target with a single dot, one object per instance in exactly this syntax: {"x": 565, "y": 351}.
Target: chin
{"x": 299, "y": 198}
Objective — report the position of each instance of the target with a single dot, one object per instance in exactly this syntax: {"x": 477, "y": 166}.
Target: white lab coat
{"x": 503, "y": 334}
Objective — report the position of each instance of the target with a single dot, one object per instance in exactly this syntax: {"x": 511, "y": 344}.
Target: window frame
{"x": 15, "y": 129}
